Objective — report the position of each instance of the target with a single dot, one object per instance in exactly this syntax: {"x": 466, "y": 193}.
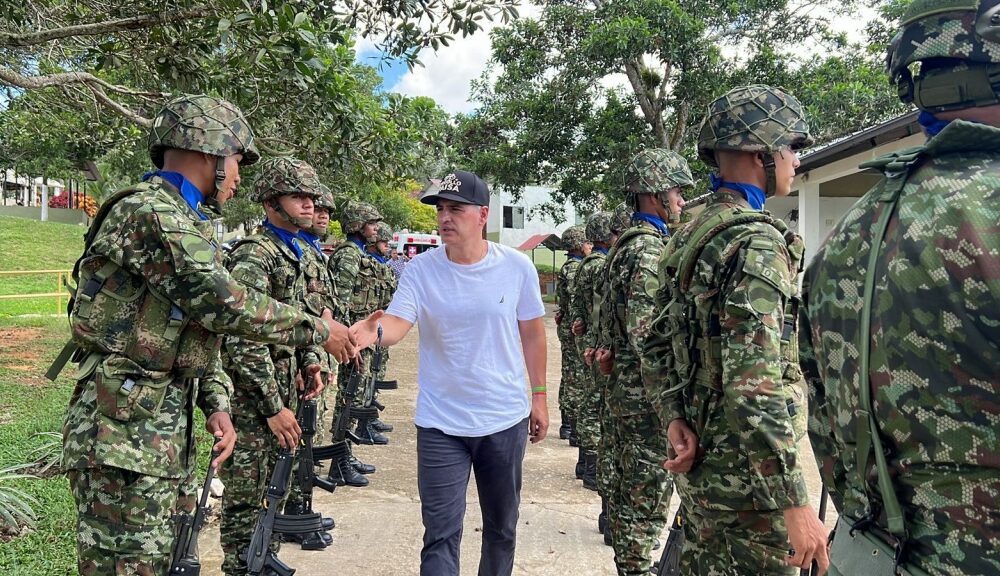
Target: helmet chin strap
{"x": 212, "y": 199}
{"x": 319, "y": 231}
{"x": 770, "y": 178}
{"x": 301, "y": 223}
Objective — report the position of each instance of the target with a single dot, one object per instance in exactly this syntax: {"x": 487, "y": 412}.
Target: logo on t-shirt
{"x": 501, "y": 298}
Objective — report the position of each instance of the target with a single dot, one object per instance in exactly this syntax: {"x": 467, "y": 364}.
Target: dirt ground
{"x": 379, "y": 529}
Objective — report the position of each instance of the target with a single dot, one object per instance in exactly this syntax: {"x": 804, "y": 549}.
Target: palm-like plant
{"x": 16, "y": 506}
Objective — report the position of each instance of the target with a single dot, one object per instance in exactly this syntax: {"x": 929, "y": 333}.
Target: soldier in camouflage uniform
{"x": 574, "y": 240}
{"x": 721, "y": 365}
{"x": 621, "y": 220}
{"x": 152, "y": 302}
{"x": 319, "y": 295}
{"x": 588, "y": 426}
{"x": 355, "y": 281}
{"x": 910, "y": 278}
{"x": 637, "y": 503}
{"x": 379, "y": 250}
{"x": 265, "y": 394}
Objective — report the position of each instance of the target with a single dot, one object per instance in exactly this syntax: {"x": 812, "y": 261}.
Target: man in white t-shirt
{"x": 480, "y": 311}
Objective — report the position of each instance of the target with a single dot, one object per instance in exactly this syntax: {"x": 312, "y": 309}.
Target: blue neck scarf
{"x": 574, "y": 257}
{"x": 656, "y": 221}
{"x": 754, "y": 195}
{"x": 601, "y": 250}
{"x": 378, "y": 257}
{"x": 312, "y": 240}
{"x": 931, "y": 124}
{"x": 360, "y": 243}
{"x": 287, "y": 237}
{"x": 191, "y": 194}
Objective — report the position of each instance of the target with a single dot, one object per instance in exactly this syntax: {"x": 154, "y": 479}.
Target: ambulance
{"x": 413, "y": 243}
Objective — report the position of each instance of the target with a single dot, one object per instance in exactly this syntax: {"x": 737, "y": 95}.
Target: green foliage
{"x": 16, "y": 506}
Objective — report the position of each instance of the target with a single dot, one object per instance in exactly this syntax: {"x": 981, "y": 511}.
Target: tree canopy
{"x": 572, "y": 94}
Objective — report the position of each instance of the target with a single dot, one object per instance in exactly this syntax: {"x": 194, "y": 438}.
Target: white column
{"x": 809, "y": 218}
{"x": 45, "y": 202}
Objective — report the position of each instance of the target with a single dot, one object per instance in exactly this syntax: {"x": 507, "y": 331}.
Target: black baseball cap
{"x": 459, "y": 186}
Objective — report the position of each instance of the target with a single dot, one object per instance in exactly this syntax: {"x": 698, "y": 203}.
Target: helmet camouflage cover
{"x": 356, "y": 214}
{"x": 283, "y": 176}
{"x": 383, "y": 233}
{"x": 599, "y": 227}
{"x": 201, "y": 124}
{"x": 621, "y": 218}
{"x": 753, "y": 118}
{"x": 573, "y": 238}
{"x": 656, "y": 171}
{"x": 325, "y": 199}
{"x": 950, "y": 33}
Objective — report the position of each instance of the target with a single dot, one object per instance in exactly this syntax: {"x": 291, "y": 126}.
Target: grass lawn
{"x": 31, "y": 245}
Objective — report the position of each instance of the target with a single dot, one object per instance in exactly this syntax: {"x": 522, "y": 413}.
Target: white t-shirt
{"x": 471, "y": 373}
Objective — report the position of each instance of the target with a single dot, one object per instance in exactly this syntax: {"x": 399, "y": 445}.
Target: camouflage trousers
{"x": 246, "y": 475}
{"x": 606, "y": 450}
{"x": 727, "y": 543}
{"x": 641, "y": 494}
{"x": 572, "y": 372}
{"x": 125, "y": 524}
{"x": 325, "y": 405}
{"x": 588, "y": 420}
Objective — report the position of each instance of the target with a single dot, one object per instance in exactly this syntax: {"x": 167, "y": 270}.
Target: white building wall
{"x": 534, "y": 222}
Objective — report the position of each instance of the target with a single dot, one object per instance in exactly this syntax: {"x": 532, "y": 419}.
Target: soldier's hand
{"x": 315, "y": 377}
{"x": 365, "y": 332}
{"x": 808, "y": 537}
{"x": 558, "y": 317}
{"x": 588, "y": 356}
{"x": 605, "y": 360}
{"x": 578, "y": 327}
{"x": 285, "y": 428}
{"x": 340, "y": 343}
{"x": 220, "y": 425}
{"x": 684, "y": 444}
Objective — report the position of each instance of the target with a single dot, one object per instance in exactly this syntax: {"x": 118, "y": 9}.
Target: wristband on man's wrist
{"x": 538, "y": 390}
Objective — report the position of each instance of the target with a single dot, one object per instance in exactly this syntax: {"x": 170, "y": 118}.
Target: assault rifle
{"x": 670, "y": 559}
{"x": 258, "y": 556}
{"x": 184, "y": 557}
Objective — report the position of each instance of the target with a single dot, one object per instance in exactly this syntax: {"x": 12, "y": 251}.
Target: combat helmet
{"x": 355, "y": 215}
{"x": 383, "y": 233}
{"x": 754, "y": 118}
{"x": 599, "y": 227}
{"x": 621, "y": 218}
{"x": 202, "y": 124}
{"x": 573, "y": 238}
{"x": 285, "y": 176}
{"x": 325, "y": 199}
{"x": 656, "y": 171}
{"x": 957, "y": 43}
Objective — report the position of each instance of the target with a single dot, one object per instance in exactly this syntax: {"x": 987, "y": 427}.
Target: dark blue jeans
{"x": 443, "y": 466}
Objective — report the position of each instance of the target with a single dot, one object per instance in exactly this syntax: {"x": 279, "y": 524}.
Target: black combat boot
{"x": 574, "y": 440}
{"x": 590, "y": 471}
{"x": 564, "y": 427}
{"x": 360, "y": 466}
{"x": 580, "y": 464}
{"x": 368, "y": 435}
{"x": 345, "y": 475}
{"x": 380, "y": 426}
{"x": 312, "y": 540}
{"x": 602, "y": 520}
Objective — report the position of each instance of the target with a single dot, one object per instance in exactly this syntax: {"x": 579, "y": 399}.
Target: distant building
{"x": 513, "y": 222}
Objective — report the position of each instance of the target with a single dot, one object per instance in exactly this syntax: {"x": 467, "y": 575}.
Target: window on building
{"x": 513, "y": 217}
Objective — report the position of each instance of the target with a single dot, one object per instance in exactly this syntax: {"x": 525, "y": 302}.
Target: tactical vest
{"x": 114, "y": 312}
{"x": 693, "y": 332}
{"x": 287, "y": 284}
{"x": 366, "y": 292}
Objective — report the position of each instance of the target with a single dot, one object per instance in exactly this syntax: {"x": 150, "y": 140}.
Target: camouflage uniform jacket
{"x": 387, "y": 284}
{"x": 319, "y": 296}
{"x": 582, "y": 306}
{"x": 564, "y": 293}
{"x": 355, "y": 279}
{"x": 263, "y": 374}
{"x": 935, "y": 351}
{"x": 632, "y": 284}
{"x": 743, "y": 403}
{"x": 150, "y": 335}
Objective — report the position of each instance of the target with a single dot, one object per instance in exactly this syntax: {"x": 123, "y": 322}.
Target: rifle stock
{"x": 258, "y": 555}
